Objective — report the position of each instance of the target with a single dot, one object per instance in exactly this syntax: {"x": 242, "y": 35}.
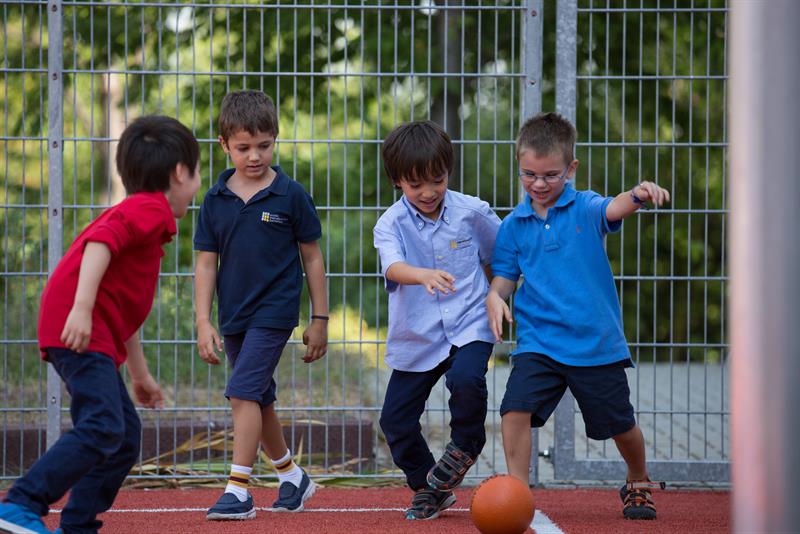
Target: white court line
{"x": 541, "y": 523}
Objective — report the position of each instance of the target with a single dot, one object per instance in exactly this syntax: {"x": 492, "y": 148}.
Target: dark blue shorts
{"x": 537, "y": 383}
{"x": 253, "y": 356}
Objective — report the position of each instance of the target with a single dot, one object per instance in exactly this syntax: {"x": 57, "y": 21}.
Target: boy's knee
{"x": 466, "y": 382}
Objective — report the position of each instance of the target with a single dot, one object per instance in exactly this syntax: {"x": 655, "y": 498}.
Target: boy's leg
{"x": 253, "y": 357}
{"x": 98, "y": 430}
{"x": 403, "y": 405}
{"x": 466, "y": 380}
{"x": 603, "y": 395}
{"x": 95, "y": 492}
{"x": 516, "y": 430}
{"x": 295, "y": 487}
{"x": 631, "y": 446}
{"x": 534, "y": 388}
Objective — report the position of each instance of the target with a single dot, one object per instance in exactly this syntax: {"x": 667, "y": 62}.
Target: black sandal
{"x": 637, "y": 498}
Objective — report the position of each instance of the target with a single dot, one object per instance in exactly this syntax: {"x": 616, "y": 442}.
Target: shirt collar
{"x": 524, "y": 208}
{"x": 279, "y": 186}
{"x": 420, "y": 220}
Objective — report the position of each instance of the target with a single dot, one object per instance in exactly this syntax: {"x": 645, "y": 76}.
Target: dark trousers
{"x": 94, "y": 457}
{"x": 465, "y": 376}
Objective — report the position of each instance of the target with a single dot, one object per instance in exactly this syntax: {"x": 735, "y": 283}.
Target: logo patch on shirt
{"x": 273, "y": 217}
{"x": 461, "y": 243}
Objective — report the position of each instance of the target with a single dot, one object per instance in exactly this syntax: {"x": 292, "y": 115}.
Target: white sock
{"x": 288, "y": 471}
{"x": 237, "y": 483}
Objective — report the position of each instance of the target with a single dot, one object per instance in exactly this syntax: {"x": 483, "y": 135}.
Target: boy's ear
{"x": 180, "y": 173}
{"x": 223, "y": 143}
{"x": 572, "y": 168}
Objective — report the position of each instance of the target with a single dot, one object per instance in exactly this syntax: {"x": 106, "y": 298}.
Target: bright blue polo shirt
{"x": 423, "y": 327}
{"x": 260, "y": 276}
{"x": 567, "y": 306}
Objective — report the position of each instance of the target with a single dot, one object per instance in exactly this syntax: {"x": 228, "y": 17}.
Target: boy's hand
{"x": 497, "y": 310}
{"x": 207, "y": 340}
{"x": 437, "y": 280}
{"x": 651, "y": 192}
{"x": 77, "y": 330}
{"x": 315, "y": 338}
{"x": 148, "y": 392}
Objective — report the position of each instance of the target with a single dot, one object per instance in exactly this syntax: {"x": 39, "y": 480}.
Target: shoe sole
{"x": 310, "y": 490}
{"x": 242, "y": 516}
{"x": 448, "y": 502}
{"x": 11, "y": 528}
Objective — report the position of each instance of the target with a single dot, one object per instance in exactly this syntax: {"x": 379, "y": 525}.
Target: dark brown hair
{"x": 416, "y": 151}
{"x": 251, "y": 111}
{"x": 547, "y": 133}
{"x": 150, "y": 148}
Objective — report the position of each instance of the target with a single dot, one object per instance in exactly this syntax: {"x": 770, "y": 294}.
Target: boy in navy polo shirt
{"x": 569, "y": 325}
{"x": 255, "y": 226}
{"x": 435, "y": 247}
{"x": 89, "y": 322}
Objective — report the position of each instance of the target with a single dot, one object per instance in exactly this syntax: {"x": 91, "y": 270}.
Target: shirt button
{"x": 438, "y": 257}
{"x": 446, "y": 310}
{"x": 420, "y": 225}
{"x": 450, "y": 334}
{"x": 446, "y": 219}
{"x": 546, "y": 226}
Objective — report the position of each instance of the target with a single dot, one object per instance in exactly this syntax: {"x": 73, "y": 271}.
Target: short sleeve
{"x": 485, "y": 229}
{"x": 597, "y": 206}
{"x": 505, "y": 259}
{"x": 204, "y": 233}
{"x": 390, "y": 249}
{"x": 136, "y": 221}
{"x": 305, "y": 221}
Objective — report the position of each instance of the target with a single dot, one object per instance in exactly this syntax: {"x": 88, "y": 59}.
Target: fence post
{"x": 764, "y": 264}
{"x": 531, "y": 105}
{"x": 55, "y": 189}
{"x": 566, "y": 64}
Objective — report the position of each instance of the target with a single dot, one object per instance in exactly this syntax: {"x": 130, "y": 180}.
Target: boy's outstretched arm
{"x": 315, "y": 336}
{"x": 626, "y": 202}
{"x": 146, "y": 389}
{"x": 433, "y": 279}
{"x": 496, "y": 307}
{"x": 77, "y": 330}
{"x": 205, "y": 277}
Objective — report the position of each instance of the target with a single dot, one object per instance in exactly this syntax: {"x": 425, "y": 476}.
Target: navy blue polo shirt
{"x": 567, "y": 306}
{"x": 260, "y": 276}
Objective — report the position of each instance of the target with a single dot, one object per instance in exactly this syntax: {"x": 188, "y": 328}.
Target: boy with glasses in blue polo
{"x": 569, "y": 325}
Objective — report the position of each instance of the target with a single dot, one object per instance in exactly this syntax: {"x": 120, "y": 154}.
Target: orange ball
{"x": 502, "y": 504}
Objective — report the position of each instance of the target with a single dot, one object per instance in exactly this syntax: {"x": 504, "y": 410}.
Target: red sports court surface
{"x": 379, "y": 510}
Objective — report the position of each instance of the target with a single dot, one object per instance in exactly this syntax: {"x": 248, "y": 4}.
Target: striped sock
{"x": 237, "y": 483}
{"x": 288, "y": 471}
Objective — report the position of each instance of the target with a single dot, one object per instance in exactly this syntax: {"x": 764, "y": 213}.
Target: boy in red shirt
{"x": 92, "y": 307}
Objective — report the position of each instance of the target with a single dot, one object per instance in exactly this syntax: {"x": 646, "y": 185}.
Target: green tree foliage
{"x": 651, "y": 101}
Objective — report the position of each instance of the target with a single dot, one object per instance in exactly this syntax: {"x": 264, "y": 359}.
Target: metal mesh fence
{"x": 342, "y": 74}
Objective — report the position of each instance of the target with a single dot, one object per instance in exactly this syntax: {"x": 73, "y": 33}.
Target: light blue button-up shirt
{"x": 567, "y": 306}
{"x": 424, "y": 327}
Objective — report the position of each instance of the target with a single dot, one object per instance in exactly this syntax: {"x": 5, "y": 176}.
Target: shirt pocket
{"x": 462, "y": 257}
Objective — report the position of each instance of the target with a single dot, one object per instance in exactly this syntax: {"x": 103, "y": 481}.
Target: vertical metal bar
{"x": 765, "y": 289}
{"x": 531, "y": 105}
{"x": 566, "y": 61}
{"x": 55, "y": 199}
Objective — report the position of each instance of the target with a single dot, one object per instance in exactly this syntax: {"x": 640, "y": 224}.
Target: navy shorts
{"x": 537, "y": 383}
{"x": 253, "y": 356}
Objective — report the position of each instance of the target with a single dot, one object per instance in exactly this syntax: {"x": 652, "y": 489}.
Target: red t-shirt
{"x": 134, "y": 230}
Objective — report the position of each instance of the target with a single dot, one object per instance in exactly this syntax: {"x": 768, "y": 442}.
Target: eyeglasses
{"x": 530, "y": 178}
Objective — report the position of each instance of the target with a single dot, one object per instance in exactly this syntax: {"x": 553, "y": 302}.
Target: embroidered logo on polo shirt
{"x": 273, "y": 217}
{"x": 461, "y": 243}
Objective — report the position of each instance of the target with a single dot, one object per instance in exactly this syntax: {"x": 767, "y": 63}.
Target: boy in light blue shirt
{"x": 435, "y": 247}
{"x": 569, "y": 326}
